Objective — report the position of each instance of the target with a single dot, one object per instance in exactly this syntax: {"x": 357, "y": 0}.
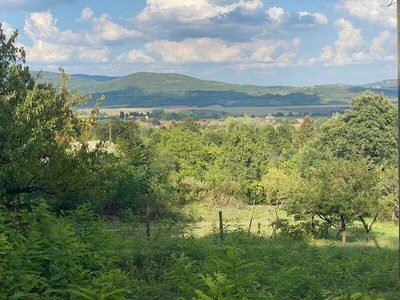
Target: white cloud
{"x": 194, "y": 50}
{"x": 268, "y": 54}
{"x": 384, "y": 46}
{"x": 134, "y": 55}
{"x": 86, "y": 14}
{"x": 104, "y": 30}
{"x": 48, "y": 52}
{"x": 301, "y": 20}
{"x": 320, "y": 18}
{"x": 93, "y": 55}
{"x": 373, "y": 11}
{"x": 42, "y": 27}
{"x": 236, "y": 21}
{"x": 264, "y": 51}
{"x": 349, "y": 38}
{"x": 178, "y": 20}
{"x": 345, "y": 50}
{"x": 317, "y": 18}
{"x": 296, "y": 42}
{"x": 51, "y": 44}
{"x": 255, "y": 54}
{"x": 187, "y": 11}
{"x": 350, "y": 48}
{"x": 277, "y": 14}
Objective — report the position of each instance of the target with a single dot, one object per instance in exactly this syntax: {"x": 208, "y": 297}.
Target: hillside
{"x": 390, "y": 84}
{"x": 96, "y": 77}
{"x": 166, "y": 89}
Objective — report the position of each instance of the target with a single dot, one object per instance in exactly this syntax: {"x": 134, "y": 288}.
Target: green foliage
{"x": 104, "y": 287}
{"x": 279, "y": 185}
{"x": 286, "y": 132}
{"x": 232, "y": 280}
{"x": 43, "y": 256}
{"x": 355, "y": 296}
{"x": 338, "y": 191}
{"x": 302, "y": 230}
{"x": 181, "y": 276}
{"x": 368, "y": 129}
{"x": 340, "y": 174}
{"x": 306, "y": 131}
{"x": 35, "y": 133}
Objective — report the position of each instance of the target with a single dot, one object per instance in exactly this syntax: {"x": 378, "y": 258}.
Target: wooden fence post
{"x": 221, "y": 226}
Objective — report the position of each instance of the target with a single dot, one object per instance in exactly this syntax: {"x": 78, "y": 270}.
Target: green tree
{"x": 155, "y": 122}
{"x": 182, "y": 147}
{"x": 306, "y": 131}
{"x": 286, "y": 133}
{"x": 279, "y": 185}
{"x": 389, "y": 188}
{"x": 339, "y": 192}
{"x": 368, "y": 129}
{"x": 247, "y": 147}
{"x": 37, "y": 128}
{"x": 126, "y": 134}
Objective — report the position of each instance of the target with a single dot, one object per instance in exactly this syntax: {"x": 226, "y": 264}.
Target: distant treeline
{"x": 159, "y": 114}
{"x": 165, "y": 89}
{"x": 222, "y": 98}
{"x": 206, "y": 98}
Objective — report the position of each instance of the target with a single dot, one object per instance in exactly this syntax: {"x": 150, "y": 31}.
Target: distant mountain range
{"x": 99, "y": 78}
{"x": 167, "y": 89}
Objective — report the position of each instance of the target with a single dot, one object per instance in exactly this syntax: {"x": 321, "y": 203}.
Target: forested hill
{"x": 166, "y": 89}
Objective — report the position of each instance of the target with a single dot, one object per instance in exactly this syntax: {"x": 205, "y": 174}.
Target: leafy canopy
{"x": 368, "y": 129}
{"x": 38, "y": 124}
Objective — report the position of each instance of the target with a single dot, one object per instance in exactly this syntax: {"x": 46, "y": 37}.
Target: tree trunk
{"x": 148, "y": 219}
{"x": 344, "y": 236}
{"x": 313, "y": 227}
{"x": 366, "y": 227}
{"x": 343, "y": 229}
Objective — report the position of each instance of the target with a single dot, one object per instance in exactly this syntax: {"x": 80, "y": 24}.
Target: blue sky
{"x": 261, "y": 42}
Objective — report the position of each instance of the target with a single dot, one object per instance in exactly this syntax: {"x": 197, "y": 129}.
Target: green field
{"x": 206, "y": 218}
{"x": 257, "y": 111}
{"x": 324, "y": 268}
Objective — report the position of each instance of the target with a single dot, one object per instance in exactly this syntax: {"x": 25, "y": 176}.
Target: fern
{"x": 182, "y": 276}
{"x": 104, "y": 287}
{"x": 219, "y": 287}
{"x": 234, "y": 278}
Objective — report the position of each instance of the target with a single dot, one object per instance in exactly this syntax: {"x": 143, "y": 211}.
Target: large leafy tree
{"x": 36, "y": 129}
{"x": 182, "y": 147}
{"x": 368, "y": 129}
{"x": 338, "y": 191}
{"x": 248, "y": 148}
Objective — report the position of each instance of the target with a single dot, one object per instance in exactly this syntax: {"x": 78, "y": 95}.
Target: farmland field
{"x": 257, "y": 111}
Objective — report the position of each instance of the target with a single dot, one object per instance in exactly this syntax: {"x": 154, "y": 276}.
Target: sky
{"x": 258, "y": 42}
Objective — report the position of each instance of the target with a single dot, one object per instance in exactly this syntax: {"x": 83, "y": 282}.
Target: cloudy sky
{"x": 262, "y": 42}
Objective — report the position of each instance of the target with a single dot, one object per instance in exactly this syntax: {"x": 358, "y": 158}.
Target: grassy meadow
{"x": 194, "y": 263}
{"x": 204, "y": 220}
